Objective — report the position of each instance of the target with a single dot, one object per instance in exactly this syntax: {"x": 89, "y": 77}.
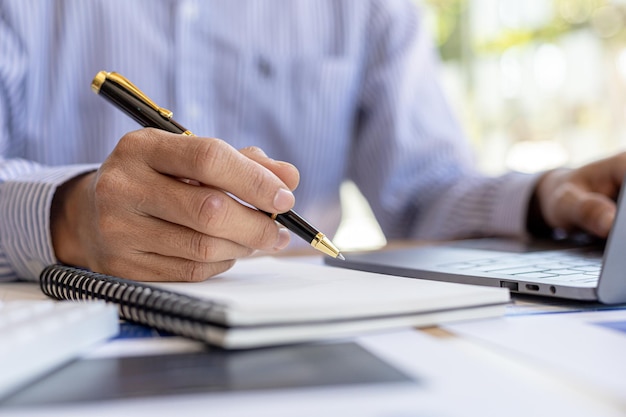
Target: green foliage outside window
{"x": 452, "y": 32}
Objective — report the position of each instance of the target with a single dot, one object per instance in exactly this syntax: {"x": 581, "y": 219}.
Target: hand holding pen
{"x": 132, "y": 101}
{"x": 133, "y": 218}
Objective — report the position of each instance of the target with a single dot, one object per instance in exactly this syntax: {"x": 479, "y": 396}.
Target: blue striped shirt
{"x": 343, "y": 89}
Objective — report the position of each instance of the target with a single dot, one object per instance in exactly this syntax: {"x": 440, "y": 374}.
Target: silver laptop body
{"x": 588, "y": 273}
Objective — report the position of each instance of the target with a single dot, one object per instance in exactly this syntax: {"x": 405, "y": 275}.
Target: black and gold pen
{"x": 132, "y": 101}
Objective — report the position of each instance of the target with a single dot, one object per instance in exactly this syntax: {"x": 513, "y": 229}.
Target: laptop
{"x": 587, "y": 272}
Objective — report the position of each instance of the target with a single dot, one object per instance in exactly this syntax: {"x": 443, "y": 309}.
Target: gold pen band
{"x": 123, "y": 82}
{"x": 323, "y": 244}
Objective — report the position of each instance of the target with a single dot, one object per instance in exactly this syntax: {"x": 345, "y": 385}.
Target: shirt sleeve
{"x": 411, "y": 159}
{"x": 26, "y": 188}
{"x": 26, "y": 193}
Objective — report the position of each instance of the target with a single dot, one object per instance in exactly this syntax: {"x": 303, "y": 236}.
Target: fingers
{"x": 149, "y": 248}
{"x": 154, "y": 267}
{"x": 210, "y": 212}
{"x": 202, "y": 209}
{"x": 583, "y": 198}
{"x": 155, "y": 250}
{"x": 283, "y": 170}
{"x": 212, "y": 162}
{"x": 151, "y": 235}
{"x": 589, "y": 211}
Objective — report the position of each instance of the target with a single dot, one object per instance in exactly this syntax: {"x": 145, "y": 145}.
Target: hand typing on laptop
{"x": 590, "y": 198}
{"x": 584, "y": 198}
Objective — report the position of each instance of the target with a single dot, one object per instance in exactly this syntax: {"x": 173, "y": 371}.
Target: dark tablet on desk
{"x": 210, "y": 371}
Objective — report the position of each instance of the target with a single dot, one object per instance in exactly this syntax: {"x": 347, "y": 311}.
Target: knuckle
{"x": 194, "y": 272}
{"x": 257, "y": 181}
{"x": 208, "y": 152}
{"x": 254, "y": 151}
{"x": 202, "y": 247}
{"x": 129, "y": 142}
{"x": 123, "y": 145}
{"x": 106, "y": 184}
{"x": 266, "y": 237}
{"x": 198, "y": 271}
{"x": 211, "y": 211}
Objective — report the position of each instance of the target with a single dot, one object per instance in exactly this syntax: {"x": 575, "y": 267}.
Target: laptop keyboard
{"x": 567, "y": 267}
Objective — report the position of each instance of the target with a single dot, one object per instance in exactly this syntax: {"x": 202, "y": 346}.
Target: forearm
{"x": 480, "y": 206}
{"x": 69, "y": 204}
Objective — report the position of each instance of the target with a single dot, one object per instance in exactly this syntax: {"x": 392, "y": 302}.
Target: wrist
{"x": 66, "y": 220}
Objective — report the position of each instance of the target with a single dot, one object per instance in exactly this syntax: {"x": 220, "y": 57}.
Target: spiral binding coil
{"x": 140, "y": 303}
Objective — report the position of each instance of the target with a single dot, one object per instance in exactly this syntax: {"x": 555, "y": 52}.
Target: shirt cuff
{"x": 25, "y": 212}
{"x": 480, "y": 207}
{"x": 512, "y": 198}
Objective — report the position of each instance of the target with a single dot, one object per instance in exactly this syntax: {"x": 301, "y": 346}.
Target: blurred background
{"x": 536, "y": 84}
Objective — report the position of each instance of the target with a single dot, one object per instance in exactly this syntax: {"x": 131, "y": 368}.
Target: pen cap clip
{"x": 131, "y": 88}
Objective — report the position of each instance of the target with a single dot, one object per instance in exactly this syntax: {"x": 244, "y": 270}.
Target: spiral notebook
{"x": 264, "y": 301}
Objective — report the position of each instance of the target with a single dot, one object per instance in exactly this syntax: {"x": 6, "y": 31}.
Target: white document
{"x": 587, "y": 348}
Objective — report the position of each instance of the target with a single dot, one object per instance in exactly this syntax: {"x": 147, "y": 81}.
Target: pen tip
{"x": 340, "y": 256}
